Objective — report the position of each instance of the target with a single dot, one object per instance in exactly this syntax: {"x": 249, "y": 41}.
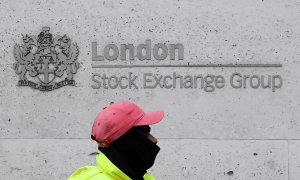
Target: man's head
{"x": 122, "y": 132}
{"x": 118, "y": 118}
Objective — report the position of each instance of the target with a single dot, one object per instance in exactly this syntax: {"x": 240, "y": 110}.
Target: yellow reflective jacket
{"x": 105, "y": 170}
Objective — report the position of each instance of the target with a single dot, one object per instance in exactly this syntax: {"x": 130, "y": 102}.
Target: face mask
{"x": 133, "y": 152}
{"x": 147, "y": 150}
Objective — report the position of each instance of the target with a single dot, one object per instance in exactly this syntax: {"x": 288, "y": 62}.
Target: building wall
{"x": 230, "y": 133}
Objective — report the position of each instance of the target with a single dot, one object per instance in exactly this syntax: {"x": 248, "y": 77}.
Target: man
{"x": 127, "y": 148}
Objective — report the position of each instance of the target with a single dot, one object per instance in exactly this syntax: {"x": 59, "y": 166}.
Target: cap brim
{"x": 151, "y": 118}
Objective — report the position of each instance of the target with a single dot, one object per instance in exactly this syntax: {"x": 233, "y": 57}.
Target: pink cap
{"x": 116, "y": 119}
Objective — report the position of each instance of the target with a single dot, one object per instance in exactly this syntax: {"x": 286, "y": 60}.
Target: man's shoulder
{"x": 89, "y": 173}
{"x": 148, "y": 176}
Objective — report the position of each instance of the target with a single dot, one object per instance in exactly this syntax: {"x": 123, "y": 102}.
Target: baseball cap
{"x": 116, "y": 119}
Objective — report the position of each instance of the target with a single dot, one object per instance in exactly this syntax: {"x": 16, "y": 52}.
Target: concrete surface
{"x": 178, "y": 158}
{"x": 212, "y": 134}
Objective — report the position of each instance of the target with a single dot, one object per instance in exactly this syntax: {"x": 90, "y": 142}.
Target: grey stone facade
{"x": 230, "y": 133}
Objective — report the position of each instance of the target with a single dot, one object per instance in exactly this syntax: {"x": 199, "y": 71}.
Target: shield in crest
{"x": 46, "y": 68}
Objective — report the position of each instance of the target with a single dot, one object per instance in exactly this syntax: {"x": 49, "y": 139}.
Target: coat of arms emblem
{"x": 45, "y": 62}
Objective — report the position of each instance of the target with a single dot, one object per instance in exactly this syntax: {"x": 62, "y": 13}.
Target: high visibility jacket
{"x": 105, "y": 170}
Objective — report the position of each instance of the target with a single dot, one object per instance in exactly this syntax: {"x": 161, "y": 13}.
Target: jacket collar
{"x": 106, "y": 166}
{"x": 109, "y": 168}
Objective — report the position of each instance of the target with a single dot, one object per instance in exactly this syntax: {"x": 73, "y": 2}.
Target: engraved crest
{"x": 45, "y": 62}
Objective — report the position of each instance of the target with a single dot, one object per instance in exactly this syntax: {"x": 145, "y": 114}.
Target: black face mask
{"x": 133, "y": 153}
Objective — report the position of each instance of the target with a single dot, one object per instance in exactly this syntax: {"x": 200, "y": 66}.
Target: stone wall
{"x": 231, "y": 133}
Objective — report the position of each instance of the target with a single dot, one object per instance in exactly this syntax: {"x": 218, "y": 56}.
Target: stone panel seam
{"x": 159, "y": 138}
